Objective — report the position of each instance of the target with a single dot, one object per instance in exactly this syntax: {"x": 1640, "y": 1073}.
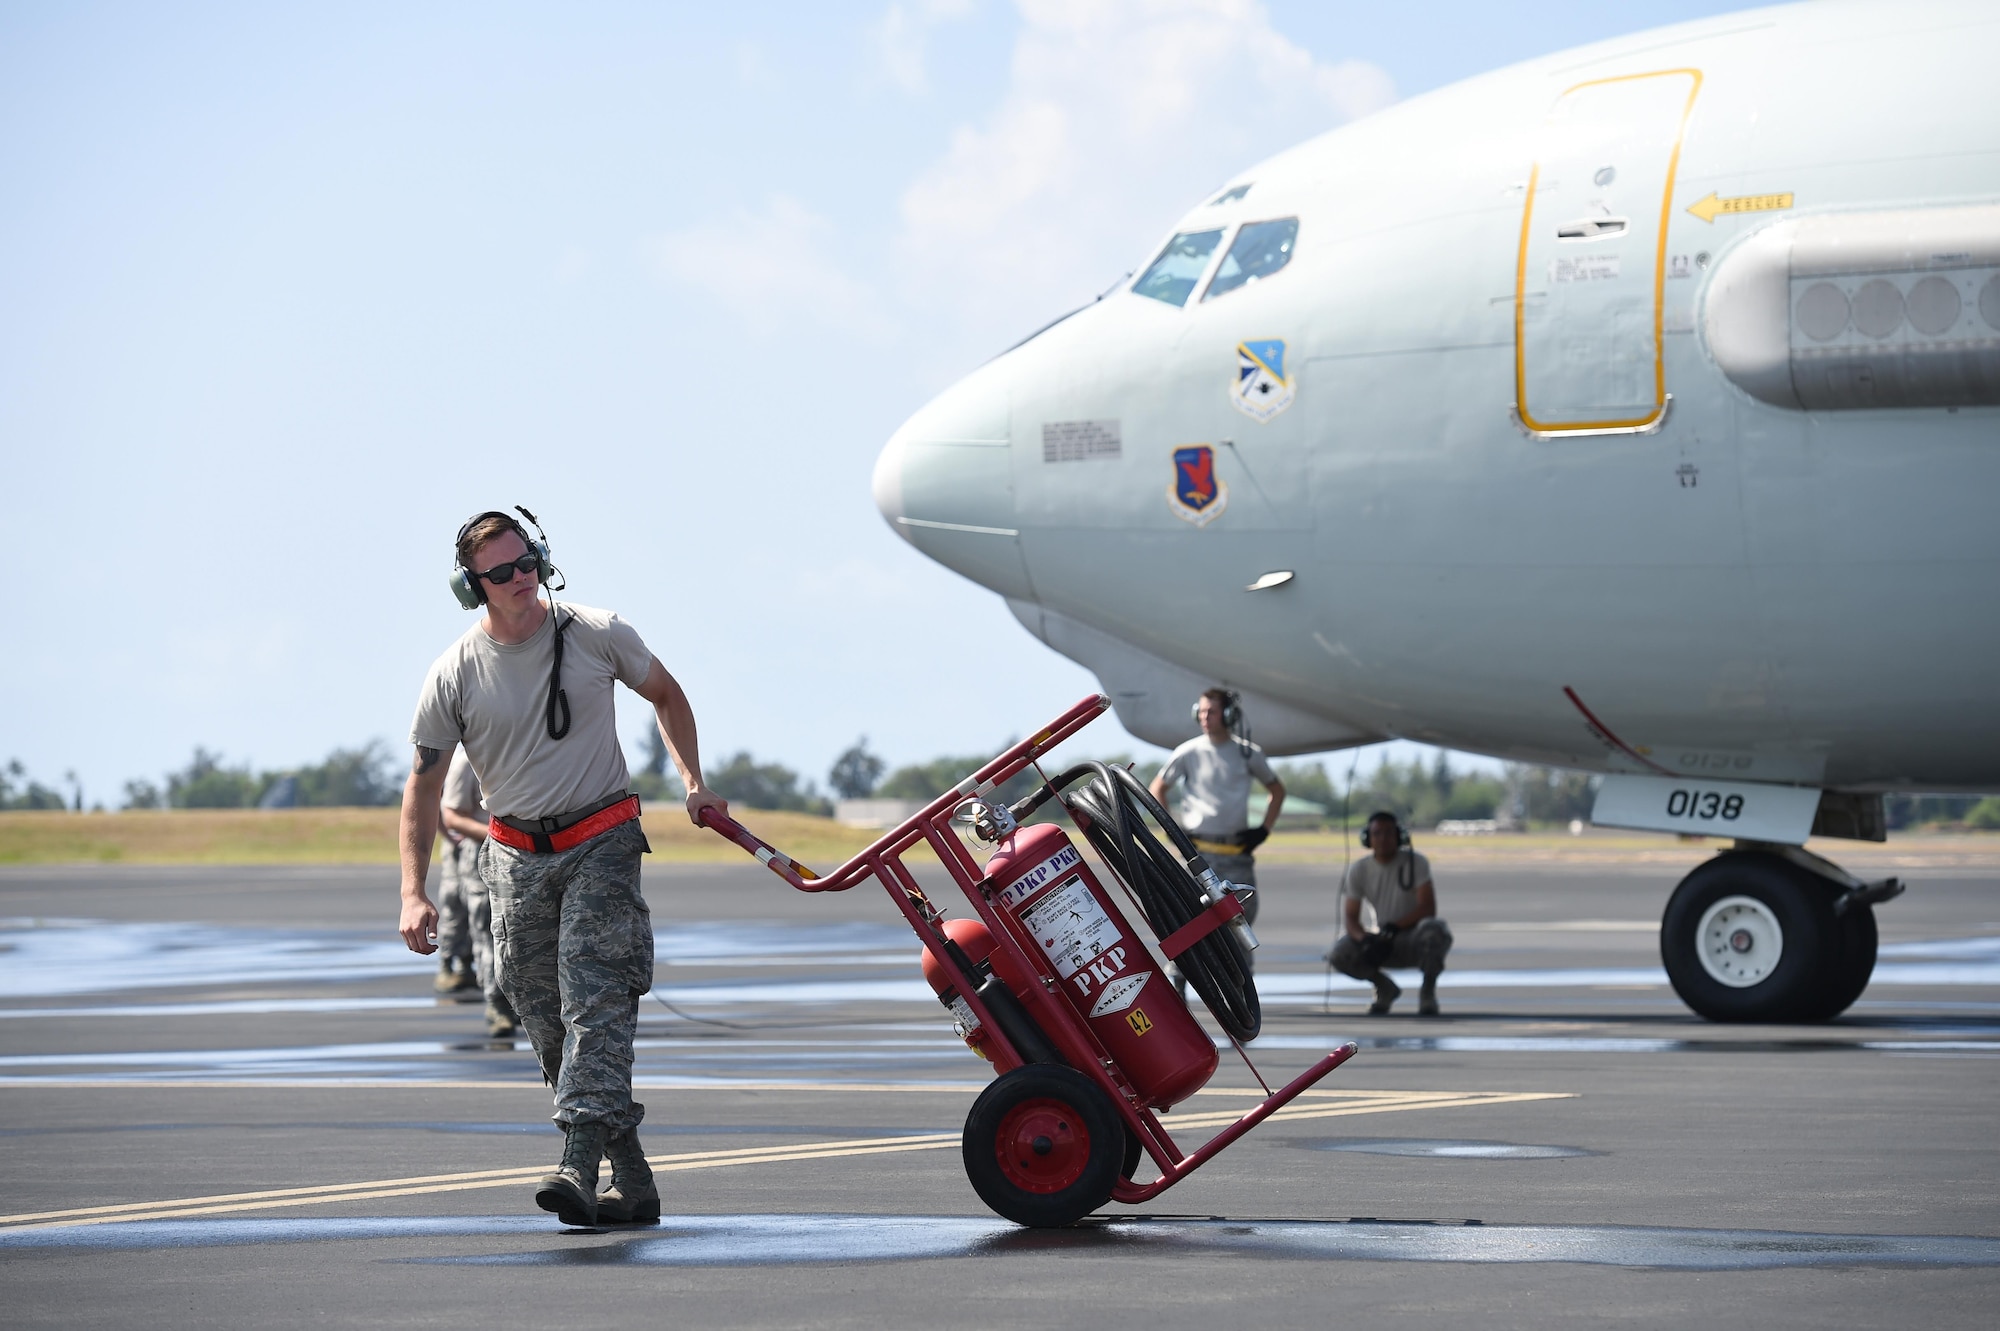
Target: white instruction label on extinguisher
{"x": 1071, "y": 927}
{"x": 961, "y": 1012}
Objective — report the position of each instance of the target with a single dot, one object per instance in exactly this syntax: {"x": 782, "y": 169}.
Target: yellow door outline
{"x": 1659, "y": 410}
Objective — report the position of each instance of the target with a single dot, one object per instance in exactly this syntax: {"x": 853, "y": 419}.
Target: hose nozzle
{"x": 991, "y": 822}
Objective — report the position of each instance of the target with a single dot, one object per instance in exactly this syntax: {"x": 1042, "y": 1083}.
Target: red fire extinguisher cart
{"x": 1051, "y": 981}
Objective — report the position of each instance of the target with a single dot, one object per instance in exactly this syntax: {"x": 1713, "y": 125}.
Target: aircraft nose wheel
{"x": 1752, "y": 936}
{"x": 1043, "y": 1146}
{"x": 1741, "y": 942}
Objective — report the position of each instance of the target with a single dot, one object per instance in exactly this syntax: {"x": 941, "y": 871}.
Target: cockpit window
{"x": 1229, "y": 196}
{"x": 1260, "y": 249}
{"x": 1172, "y": 276}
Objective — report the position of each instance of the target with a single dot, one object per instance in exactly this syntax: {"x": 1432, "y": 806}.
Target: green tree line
{"x": 348, "y": 777}
{"x": 1420, "y": 793}
{"x": 19, "y": 791}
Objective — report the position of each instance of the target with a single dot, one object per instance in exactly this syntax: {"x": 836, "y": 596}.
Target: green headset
{"x": 469, "y": 590}
{"x": 471, "y": 594}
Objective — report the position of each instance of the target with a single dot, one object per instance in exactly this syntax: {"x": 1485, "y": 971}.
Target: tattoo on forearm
{"x": 426, "y": 759}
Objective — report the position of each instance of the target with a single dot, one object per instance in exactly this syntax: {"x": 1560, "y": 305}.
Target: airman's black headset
{"x": 1406, "y": 865}
{"x": 1232, "y": 716}
{"x": 470, "y": 589}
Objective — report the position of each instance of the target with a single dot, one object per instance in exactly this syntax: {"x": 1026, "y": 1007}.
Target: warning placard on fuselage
{"x": 1071, "y": 927}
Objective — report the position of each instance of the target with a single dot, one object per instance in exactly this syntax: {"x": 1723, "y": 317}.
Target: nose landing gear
{"x": 1771, "y": 933}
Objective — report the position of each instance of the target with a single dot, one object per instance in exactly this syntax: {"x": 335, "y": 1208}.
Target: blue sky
{"x": 288, "y": 291}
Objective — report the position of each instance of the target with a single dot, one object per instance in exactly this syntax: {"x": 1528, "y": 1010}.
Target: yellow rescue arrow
{"x": 1708, "y": 208}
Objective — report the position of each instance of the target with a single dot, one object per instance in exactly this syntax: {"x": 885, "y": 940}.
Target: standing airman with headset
{"x": 1395, "y": 881}
{"x": 527, "y": 691}
{"x": 1216, "y": 768}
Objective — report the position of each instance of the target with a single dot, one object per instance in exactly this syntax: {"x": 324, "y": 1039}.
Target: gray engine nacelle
{"x": 1853, "y": 310}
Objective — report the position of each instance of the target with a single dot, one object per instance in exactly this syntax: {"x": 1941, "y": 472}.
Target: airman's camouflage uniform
{"x": 575, "y": 944}
{"x": 1421, "y": 947}
{"x": 457, "y": 939}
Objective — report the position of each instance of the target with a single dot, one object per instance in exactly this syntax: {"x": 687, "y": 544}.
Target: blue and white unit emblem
{"x": 1197, "y": 495}
{"x": 1261, "y": 390}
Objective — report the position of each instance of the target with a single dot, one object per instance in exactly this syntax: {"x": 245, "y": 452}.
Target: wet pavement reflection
{"x": 784, "y": 1240}
{"x": 1439, "y": 1149}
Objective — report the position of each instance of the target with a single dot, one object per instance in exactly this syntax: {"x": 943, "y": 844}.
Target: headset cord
{"x": 1113, "y": 805}
{"x": 685, "y": 1015}
{"x": 558, "y": 696}
{"x": 1340, "y": 891}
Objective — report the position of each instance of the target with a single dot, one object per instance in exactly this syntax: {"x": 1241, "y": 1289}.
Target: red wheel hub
{"x": 1042, "y": 1145}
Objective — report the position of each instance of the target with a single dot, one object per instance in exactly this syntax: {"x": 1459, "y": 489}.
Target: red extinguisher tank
{"x": 1103, "y": 970}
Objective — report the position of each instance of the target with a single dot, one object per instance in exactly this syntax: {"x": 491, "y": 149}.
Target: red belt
{"x": 574, "y": 835}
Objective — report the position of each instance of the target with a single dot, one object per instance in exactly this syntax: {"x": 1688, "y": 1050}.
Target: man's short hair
{"x": 486, "y": 527}
{"x": 1382, "y": 816}
{"x": 1218, "y": 696}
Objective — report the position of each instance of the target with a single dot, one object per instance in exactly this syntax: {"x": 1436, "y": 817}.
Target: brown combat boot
{"x": 571, "y": 1190}
{"x": 632, "y": 1198}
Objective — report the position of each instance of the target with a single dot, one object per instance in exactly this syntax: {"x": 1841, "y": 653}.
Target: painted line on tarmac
{"x": 1378, "y": 1102}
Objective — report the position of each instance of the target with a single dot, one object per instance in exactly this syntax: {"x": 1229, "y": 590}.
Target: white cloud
{"x": 770, "y": 268}
{"x": 1118, "y": 115}
{"x": 901, "y": 35}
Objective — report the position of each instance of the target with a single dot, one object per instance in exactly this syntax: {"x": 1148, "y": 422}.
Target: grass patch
{"x": 356, "y": 836}
{"x": 368, "y": 836}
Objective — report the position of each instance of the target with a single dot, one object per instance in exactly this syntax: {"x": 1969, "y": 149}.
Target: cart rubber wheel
{"x": 1134, "y": 1153}
{"x": 1043, "y": 1146}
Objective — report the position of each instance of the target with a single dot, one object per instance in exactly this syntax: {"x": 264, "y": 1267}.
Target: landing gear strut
{"x": 1771, "y": 933}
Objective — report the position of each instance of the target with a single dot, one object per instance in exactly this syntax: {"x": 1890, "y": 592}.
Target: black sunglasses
{"x": 502, "y": 574}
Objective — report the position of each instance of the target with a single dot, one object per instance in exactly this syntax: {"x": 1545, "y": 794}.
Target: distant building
{"x": 283, "y": 794}
{"x": 875, "y": 813}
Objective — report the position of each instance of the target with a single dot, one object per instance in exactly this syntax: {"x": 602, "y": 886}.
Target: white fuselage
{"x": 1506, "y": 448}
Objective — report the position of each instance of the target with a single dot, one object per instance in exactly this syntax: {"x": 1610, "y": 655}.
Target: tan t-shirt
{"x": 461, "y": 783}
{"x": 1381, "y": 885}
{"x": 1215, "y": 806}
{"x": 492, "y": 697}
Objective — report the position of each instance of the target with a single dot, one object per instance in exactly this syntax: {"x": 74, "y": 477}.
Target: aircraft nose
{"x": 944, "y": 482}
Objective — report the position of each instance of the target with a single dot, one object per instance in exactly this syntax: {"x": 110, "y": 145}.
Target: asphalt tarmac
{"x": 230, "y": 1099}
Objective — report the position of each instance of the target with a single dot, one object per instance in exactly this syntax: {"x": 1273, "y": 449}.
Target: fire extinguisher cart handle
{"x": 1065, "y": 1030}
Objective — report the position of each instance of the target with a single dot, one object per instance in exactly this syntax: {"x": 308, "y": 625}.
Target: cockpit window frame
{"x": 1199, "y": 293}
{"x": 1223, "y": 251}
{"x": 1224, "y": 235}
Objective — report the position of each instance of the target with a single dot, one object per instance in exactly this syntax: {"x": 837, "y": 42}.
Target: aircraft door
{"x": 1590, "y": 273}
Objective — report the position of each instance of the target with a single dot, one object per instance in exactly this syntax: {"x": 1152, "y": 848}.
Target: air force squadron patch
{"x": 1197, "y": 494}
{"x": 1261, "y": 390}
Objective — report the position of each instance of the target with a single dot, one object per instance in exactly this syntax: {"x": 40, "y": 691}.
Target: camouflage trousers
{"x": 479, "y": 909}
{"x": 1422, "y": 948}
{"x": 456, "y": 873}
{"x": 575, "y": 947}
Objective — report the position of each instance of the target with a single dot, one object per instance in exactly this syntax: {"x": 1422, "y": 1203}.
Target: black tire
{"x": 1134, "y": 1153}
{"x": 1043, "y": 1146}
{"x": 1856, "y": 963}
{"x": 1794, "y": 976}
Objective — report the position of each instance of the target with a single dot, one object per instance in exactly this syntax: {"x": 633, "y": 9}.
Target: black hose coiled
{"x": 1110, "y": 809}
